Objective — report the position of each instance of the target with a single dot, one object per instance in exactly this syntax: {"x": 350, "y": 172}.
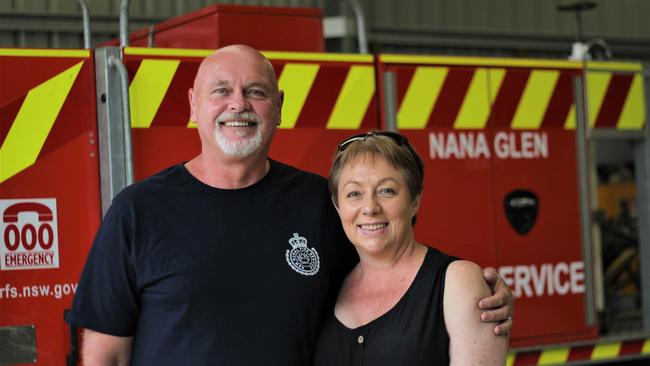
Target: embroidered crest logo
{"x": 301, "y": 258}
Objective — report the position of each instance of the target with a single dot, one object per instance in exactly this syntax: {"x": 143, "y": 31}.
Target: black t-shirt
{"x": 412, "y": 333}
{"x": 206, "y": 276}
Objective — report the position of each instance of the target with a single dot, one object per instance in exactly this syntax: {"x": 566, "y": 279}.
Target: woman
{"x": 404, "y": 303}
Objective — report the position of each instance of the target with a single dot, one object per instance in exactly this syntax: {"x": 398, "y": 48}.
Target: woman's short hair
{"x": 393, "y": 147}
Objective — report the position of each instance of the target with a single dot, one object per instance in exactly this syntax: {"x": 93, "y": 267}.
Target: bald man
{"x": 229, "y": 259}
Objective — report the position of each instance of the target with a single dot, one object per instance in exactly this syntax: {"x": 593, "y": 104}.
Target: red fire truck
{"x": 506, "y": 145}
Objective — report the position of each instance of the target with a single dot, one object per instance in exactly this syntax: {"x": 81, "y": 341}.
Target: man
{"x": 228, "y": 259}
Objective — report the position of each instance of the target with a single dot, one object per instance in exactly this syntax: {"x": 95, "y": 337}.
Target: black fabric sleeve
{"x": 106, "y": 299}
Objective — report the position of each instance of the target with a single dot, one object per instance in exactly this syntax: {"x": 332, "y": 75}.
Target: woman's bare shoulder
{"x": 467, "y": 275}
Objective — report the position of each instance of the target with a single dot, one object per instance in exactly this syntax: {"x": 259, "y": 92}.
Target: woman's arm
{"x": 472, "y": 342}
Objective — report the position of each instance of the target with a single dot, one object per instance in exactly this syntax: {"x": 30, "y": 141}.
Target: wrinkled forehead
{"x": 232, "y": 67}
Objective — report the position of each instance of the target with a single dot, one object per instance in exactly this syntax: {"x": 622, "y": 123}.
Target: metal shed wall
{"x": 531, "y": 28}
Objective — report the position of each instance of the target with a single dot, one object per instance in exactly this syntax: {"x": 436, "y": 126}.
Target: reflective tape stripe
{"x": 535, "y": 98}
{"x": 558, "y": 356}
{"x": 148, "y": 89}
{"x": 420, "y": 97}
{"x": 570, "y": 122}
{"x": 296, "y": 81}
{"x": 353, "y": 101}
{"x": 597, "y": 83}
{"x": 646, "y": 347}
{"x": 26, "y": 52}
{"x": 633, "y": 113}
{"x": 604, "y": 351}
{"x": 300, "y": 56}
{"x": 423, "y": 94}
{"x": 617, "y": 66}
{"x": 34, "y": 121}
{"x": 478, "y": 61}
{"x": 475, "y": 110}
{"x": 176, "y": 52}
{"x": 314, "y": 56}
{"x": 554, "y": 356}
{"x": 495, "y": 79}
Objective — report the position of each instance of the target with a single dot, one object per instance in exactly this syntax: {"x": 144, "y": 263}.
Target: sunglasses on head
{"x": 396, "y": 137}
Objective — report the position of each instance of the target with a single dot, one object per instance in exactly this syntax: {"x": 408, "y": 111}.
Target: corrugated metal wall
{"x": 615, "y": 17}
{"x": 533, "y": 28}
{"x": 507, "y": 27}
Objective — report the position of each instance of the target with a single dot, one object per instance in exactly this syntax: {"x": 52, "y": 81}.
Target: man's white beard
{"x": 240, "y": 148}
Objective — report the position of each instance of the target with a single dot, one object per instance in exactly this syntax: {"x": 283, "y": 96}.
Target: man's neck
{"x": 229, "y": 173}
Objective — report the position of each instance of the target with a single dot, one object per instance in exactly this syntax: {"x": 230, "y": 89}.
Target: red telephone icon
{"x": 11, "y": 212}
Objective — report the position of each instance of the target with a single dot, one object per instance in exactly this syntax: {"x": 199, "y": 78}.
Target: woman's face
{"x": 375, "y": 205}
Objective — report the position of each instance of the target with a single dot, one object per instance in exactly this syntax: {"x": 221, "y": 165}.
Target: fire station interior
{"x": 616, "y": 238}
{"x": 607, "y": 275}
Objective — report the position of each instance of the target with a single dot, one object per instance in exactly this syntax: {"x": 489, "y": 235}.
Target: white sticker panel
{"x": 29, "y": 234}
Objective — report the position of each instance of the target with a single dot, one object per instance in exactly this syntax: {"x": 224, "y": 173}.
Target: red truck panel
{"x": 50, "y": 207}
{"x": 215, "y": 26}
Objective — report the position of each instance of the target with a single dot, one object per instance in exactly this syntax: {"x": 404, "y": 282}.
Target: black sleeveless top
{"x": 412, "y": 333}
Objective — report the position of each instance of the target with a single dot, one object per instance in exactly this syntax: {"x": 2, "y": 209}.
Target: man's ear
{"x": 281, "y": 102}
{"x": 190, "y": 96}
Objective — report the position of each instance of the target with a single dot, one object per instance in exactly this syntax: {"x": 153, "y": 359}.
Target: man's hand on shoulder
{"x": 499, "y": 307}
